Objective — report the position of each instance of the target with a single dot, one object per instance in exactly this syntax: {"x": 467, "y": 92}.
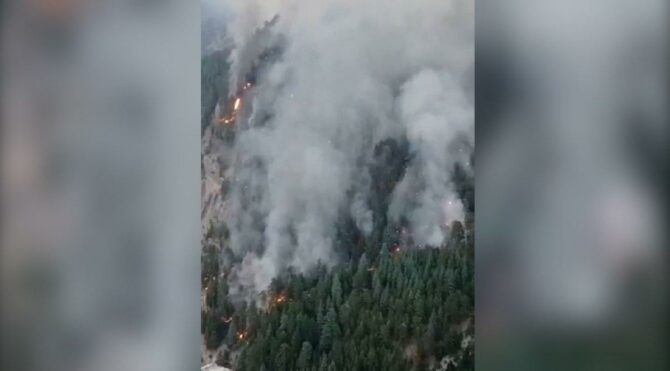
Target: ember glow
{"x": 226, "y": 120}
{"x": 236, "y": 105}
{"x": 230, "y": 119}
{"x": 277, "y": 300}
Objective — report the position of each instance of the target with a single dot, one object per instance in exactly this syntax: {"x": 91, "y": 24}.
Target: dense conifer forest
{"x": 402, "y": 310}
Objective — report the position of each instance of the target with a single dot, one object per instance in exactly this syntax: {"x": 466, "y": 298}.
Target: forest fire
{"x": 235, "y": 105}
{"x": 280, "y": 299}
{"x": 230, "y": 119}
{"x": 325, "y": 177}
{"x": 276, "y": 300}
{"x": 227, "y": 120}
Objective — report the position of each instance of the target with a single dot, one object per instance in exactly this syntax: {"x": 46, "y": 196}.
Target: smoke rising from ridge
{"x": 351, "y": 75}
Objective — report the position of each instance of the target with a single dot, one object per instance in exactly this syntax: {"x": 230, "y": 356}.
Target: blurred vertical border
{"x": 571, "y": 185}
{"x": 100, "y": 185}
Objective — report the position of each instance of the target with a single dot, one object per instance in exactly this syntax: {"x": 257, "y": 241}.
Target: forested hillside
{"x": 406, "y": 309}
{"x": 337, "y": 193}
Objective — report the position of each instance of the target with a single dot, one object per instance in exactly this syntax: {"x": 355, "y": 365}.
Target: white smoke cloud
{"x": 352, "y": 73}
{"x": 435, "y": 112}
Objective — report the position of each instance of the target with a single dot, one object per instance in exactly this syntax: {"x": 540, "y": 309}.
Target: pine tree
{"x": 376, "y": 286}
{"x": 336, "y": 291}
{"x": 282, "y": 361}
{"x": 305, "y": 356}
{"x": 329, "y": 330}
{"x": 323, "y": 365}
{"x": 231, "y": 335}
{"x": 361, "y": 276}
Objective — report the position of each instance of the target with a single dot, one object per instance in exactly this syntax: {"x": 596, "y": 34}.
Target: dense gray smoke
{"x": 352, "y": 75}
{"x": 251, "y": 18}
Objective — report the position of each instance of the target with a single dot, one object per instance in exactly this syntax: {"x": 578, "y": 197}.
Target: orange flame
{"x": 277, "y": 300}
{"x": 237, "y": 103}
{"x": 226, "y": 120}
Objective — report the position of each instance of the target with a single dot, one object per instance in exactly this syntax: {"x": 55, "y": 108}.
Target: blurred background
{"x": 100, "y": 194}
{"x": 100, "y": 185}
{"x": 571, "y": 131}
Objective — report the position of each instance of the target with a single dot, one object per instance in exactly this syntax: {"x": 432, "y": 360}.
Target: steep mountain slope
{"x": 337, "y": 192}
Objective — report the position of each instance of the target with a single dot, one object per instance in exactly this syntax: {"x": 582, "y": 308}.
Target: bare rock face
{"x": 213, "y": 167}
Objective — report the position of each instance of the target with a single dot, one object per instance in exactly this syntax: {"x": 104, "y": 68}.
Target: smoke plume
{"x": 351, "y": 76}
